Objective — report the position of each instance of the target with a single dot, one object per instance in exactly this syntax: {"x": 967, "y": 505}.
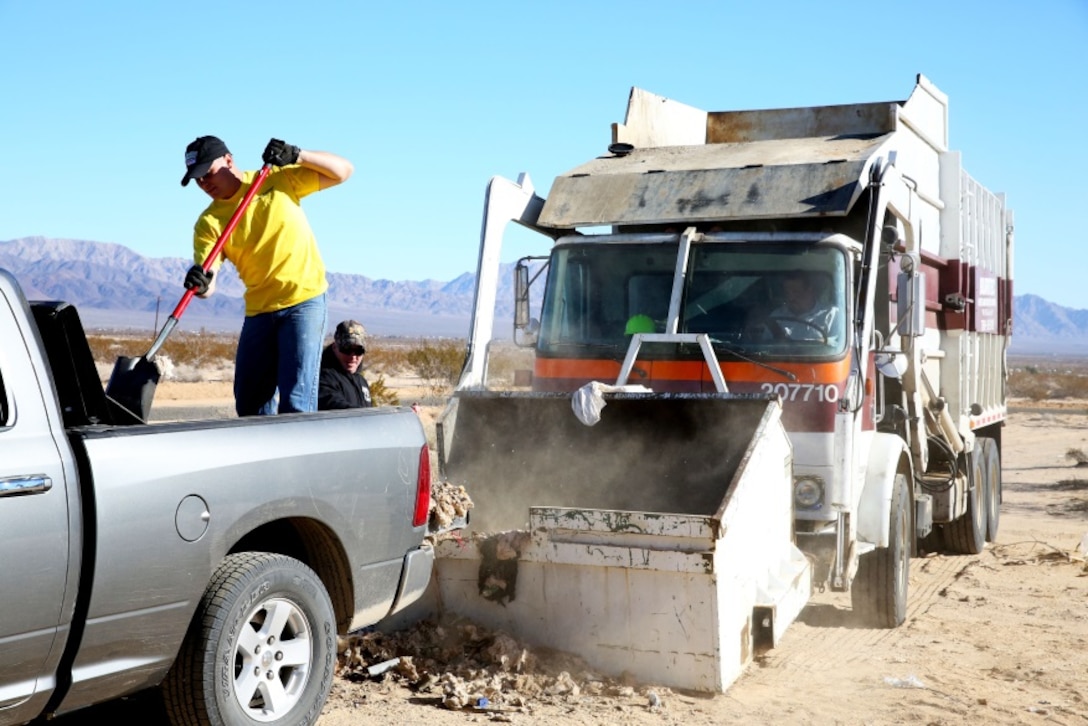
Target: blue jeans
{"x": 280, "y": 352}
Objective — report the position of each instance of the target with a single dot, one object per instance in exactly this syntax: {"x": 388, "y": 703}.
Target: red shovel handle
{"x": 224, "y": 236}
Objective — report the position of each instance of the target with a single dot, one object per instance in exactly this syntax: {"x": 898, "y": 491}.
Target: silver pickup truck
{"x": 216, "y": 559}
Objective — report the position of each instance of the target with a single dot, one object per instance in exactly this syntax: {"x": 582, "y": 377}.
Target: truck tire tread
{"x": 189, "y": 693}
{"x": 966, "y": 535}
{"x": 879, "y": 591}
{"x": 991, "y": 467}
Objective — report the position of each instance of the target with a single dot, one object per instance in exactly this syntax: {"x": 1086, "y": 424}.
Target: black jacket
{"x": 339, "y": 389}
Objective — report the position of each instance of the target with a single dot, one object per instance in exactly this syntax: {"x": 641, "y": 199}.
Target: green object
{"x": 639, "y": 324}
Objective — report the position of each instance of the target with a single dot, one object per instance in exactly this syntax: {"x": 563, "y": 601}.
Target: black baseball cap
{"x": 200, "y": 155}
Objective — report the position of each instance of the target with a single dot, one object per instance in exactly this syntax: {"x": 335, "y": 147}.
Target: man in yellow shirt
{"x": 276, "y": 255}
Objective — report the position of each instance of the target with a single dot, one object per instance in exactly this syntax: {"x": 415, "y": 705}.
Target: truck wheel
{"x": 261, "y": 647}
{"x": 991, "y": 472}
{"x": 966, "y": 535}
{"x": 879, "y": 591}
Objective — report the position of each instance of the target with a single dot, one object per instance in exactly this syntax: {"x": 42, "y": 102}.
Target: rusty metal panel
{"x": 809, "y": 177}
{"x": 860, "y": 119}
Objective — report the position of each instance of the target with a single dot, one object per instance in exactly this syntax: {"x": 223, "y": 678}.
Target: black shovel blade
{"x": 132, "y": 385}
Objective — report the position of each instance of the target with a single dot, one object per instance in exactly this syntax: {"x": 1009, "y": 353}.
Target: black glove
{"x": 198, "y": 280}
{"x": 278, "y": 153}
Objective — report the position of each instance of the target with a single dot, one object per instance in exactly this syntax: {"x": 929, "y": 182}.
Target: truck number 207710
{"x": 819, "y": 392}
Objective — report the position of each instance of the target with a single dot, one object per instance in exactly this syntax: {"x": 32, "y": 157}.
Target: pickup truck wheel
{"x": 879, "y": 591}
{"x": 261, "y": 647}
{"x": 991, "y": 472}
{"x": 966, "y": 535}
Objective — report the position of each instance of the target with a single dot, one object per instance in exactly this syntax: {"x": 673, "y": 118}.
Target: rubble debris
{"x": 450, "y": 505}
{"x": 465, "y": 665}
{"x": 498, "y": 576}
{"x": 379, "y": 668}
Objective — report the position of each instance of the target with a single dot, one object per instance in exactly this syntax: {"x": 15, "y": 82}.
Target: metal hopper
{"x": 657, "y": 542}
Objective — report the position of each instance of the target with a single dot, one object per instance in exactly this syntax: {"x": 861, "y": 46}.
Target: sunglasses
{"x": 351, "y": 349}
{"x": 212, "y": 171}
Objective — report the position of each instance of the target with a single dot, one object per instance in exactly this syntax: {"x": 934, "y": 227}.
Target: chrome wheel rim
{"x": 272, "y": 657}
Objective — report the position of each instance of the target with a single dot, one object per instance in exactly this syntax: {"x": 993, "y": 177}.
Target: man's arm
{"x": 331, "y": 169}
{"x": 329, "y": 396}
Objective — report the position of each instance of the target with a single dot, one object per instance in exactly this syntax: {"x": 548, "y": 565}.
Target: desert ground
{"x": 997, "y": 638}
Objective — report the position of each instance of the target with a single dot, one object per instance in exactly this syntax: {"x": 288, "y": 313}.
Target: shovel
{"x": 132, "y": 383}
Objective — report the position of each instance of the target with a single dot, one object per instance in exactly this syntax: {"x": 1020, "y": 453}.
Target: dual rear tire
{"x": 968, "y": 534}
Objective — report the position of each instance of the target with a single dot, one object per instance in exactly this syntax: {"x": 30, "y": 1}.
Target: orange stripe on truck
{"x": 665, "y": 372}
{"x": 809, "y": 403}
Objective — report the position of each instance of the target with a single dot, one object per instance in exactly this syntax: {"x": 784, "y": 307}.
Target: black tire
{"x": 261, "y": 647}
{"x": 879, "y": 591}
{"x": 991, "y": 473}
{"x": 966, "y": 535}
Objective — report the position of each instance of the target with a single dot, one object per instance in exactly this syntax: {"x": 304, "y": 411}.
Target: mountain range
{"x": 116, "y": 288}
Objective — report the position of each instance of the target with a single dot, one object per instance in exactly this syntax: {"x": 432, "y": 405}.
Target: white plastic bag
{"x": 588, "y": 400}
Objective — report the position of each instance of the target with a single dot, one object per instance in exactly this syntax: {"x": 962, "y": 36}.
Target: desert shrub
{"x": 380, "y": 392}
{"x": 1032, "y": 387}
{"x": 386, "y": 358}
{"x": 505, "y": 359}
{"x": 437, "y": 362}
{"x": 1038, "y": 383}
{"x": 195, "y": 349}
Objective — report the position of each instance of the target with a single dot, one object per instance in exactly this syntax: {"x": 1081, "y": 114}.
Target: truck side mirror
{"x": 521, "y": 295}
{"x": 910, "y": 298}
{"x": 526, "y": 328}
{"x": 889, "y": 237}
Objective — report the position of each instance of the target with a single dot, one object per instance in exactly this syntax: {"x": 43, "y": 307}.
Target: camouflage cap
{"x": 350, "y": 333}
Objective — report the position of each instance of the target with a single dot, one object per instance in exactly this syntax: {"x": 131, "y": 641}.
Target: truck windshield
{"x": 772, "y": 300}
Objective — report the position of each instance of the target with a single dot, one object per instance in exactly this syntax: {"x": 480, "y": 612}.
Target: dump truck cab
{"x": 776, "y": 310}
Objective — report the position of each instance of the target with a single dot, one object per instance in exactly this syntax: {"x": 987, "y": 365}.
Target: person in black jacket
{"x": 341, "y": 385}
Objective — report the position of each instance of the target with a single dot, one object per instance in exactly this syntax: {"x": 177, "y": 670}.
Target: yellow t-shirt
{"x": 272, "y": 247}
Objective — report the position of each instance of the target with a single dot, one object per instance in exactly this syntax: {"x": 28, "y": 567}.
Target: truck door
{"x": 35, "y": 606}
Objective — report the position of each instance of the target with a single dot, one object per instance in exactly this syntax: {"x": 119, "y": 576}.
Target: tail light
{"x": 423, "y": 489}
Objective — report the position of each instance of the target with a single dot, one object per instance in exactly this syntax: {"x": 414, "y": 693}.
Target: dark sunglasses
{"x": 351, "y": 349}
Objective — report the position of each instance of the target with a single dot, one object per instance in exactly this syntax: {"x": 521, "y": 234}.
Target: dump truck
{"x": 768, "y": 355}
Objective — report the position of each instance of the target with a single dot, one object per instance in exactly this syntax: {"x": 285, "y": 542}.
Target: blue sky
{"x": 431, "y": 99}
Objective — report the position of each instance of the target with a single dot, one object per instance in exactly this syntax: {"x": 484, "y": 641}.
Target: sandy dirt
{"x": 997, "y": 638}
